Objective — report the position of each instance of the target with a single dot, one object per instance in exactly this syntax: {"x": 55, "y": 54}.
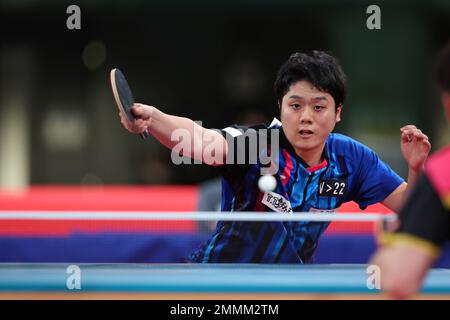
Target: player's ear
{"x": 338, "y": 113}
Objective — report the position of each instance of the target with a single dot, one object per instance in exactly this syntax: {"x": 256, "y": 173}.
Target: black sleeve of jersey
{"x": 424, "y": 215}
{"x": 241, "y": 149}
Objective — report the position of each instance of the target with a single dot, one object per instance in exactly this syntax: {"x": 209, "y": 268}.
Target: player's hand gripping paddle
{"x": 124, "y": 97}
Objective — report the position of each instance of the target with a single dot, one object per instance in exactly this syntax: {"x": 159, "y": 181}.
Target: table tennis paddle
{"x": 123, "y": 96}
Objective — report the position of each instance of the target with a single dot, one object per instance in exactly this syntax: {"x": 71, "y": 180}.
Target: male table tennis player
{"x": 408, "y": 253}
{"x": 318, "y": 170}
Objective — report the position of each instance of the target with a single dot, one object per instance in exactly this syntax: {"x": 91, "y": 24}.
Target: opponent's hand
{"x": 143, "y": 114}
{"x": 414, "y": 146}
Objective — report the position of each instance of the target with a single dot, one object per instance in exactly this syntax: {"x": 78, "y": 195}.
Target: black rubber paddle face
{"x": 123, "y": 96}
{"x": 124, "y": 93}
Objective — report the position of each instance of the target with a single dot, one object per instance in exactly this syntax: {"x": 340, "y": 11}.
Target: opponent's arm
{"x": 407, "y": 254}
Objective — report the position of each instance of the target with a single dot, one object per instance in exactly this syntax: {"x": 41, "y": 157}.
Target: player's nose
{"x": 305, "y": 116}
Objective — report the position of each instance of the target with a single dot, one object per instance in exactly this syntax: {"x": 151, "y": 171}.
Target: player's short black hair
{"x": 442, "y": 72}
{"x": 319, "y": 68}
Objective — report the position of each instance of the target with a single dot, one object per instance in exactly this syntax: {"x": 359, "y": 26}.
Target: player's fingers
{"x": 123, "y": 121}
{"x": 411, "y": 130}
{"x": 409, "y": 133}
{"x": 138, "y": 110}
{"x": 417, "y": 137}
{"x": 138, "y": 122}
{"x": 130, "y": 126}
{"x": 127, "y": 125}
{"x": 139, "y": 125}
{"x": 142, "y": 111}
{"x": 407, "y": 136}
{"x": 421, "y": 136}
{"x": 408, "y": 127}
{"x": 426, "y": 142}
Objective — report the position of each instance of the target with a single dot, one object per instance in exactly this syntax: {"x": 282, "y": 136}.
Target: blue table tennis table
{"x": 199, "y": 281}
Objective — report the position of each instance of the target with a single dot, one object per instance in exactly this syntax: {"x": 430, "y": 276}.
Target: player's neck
{"x": 312, "y": 157}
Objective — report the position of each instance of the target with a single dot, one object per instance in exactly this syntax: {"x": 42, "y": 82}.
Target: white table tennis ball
{"x": 267, "y": 183}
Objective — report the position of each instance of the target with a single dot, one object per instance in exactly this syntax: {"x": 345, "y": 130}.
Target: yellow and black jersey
{"x": 425, "y": 219}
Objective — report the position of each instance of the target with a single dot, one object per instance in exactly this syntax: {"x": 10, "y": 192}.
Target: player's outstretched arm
{"x": 164, "y": 127}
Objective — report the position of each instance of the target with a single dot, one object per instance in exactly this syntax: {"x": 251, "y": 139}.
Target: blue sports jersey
{"x": 350, "y": 171}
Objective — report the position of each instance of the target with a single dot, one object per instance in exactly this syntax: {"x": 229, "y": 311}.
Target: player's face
{"x": 308, "y": 115}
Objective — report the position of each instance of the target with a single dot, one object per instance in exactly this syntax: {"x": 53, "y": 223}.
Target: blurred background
{"x": 213, "y": 62}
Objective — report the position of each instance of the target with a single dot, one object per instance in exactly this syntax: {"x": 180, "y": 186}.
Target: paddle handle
{"x": 144, "y": 135}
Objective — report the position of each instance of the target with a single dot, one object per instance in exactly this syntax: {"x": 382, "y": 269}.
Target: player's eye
{"x": 318, "y": 108}
{"x": 295, "y": 105}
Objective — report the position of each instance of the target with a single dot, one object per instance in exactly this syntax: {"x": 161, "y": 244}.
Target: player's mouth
{"x": 305, "y": 133}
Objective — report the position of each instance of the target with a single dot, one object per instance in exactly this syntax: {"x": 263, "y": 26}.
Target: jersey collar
{"x": 285, "y": 144}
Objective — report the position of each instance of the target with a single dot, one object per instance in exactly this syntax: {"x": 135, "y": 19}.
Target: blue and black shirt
{"x": 350, "y": 171}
